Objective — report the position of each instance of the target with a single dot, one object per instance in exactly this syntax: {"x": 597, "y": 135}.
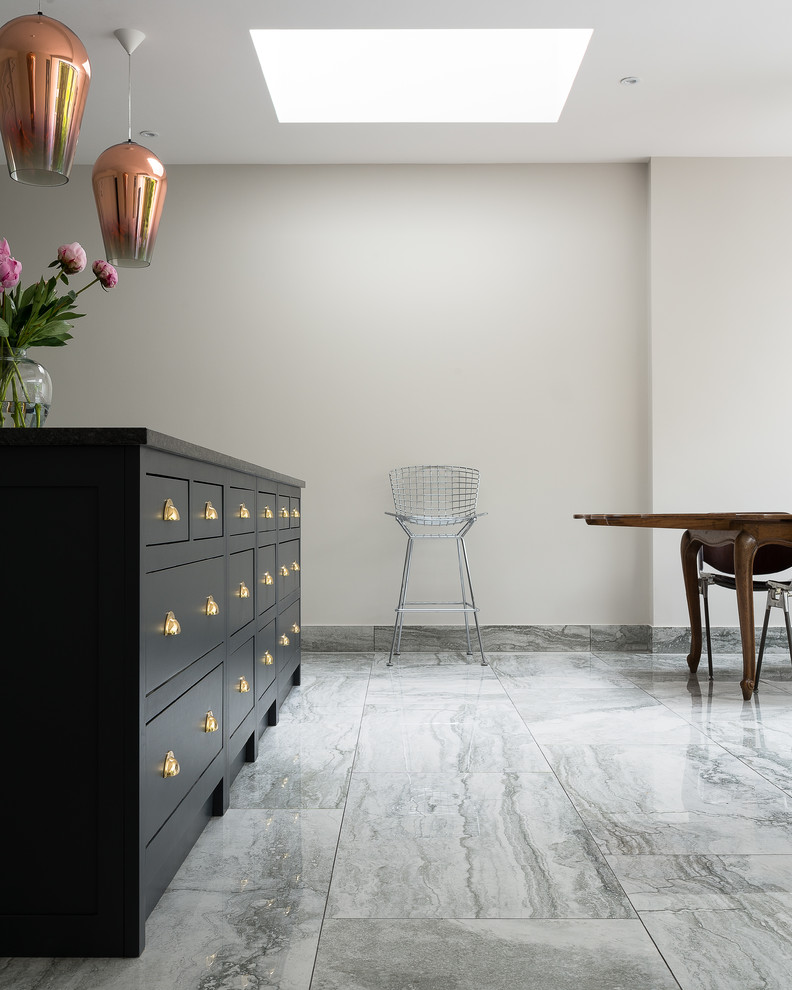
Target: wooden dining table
{"x": 747, "y": 531}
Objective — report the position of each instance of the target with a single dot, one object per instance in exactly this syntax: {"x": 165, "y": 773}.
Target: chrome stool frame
{"x": 443, "y": 499}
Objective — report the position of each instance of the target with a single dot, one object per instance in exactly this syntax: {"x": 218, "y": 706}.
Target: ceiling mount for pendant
{"x": 45, "y": 76}
{"x": 129, "y": 184}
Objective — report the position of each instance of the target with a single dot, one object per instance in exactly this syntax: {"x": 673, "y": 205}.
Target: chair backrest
{"x": 769, "y": 559}
{"x": 435, "y": 490}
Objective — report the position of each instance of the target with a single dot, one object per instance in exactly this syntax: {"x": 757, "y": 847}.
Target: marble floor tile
{"x": 648, "y": 662}
{"x": 745, "y": 947}
{"x": 304, "y": 762}
{"x": 675, "y": 800}
{"x": 482, "y": 845}
{"x": 436, "y": 682}
{"x": 546, "y": 704}
{"x": 328, "y": 686}
{"x": 671, "y": 883}
{"x": 483, "y": 738}
{"x": 488, "y": 955}
{"x": 648, "y": 723}
{"x": 557, "y": 671}
{"x": 555, "y": 820}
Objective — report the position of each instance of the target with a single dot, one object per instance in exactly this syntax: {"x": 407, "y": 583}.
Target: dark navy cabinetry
{"x": 150, "y": 632}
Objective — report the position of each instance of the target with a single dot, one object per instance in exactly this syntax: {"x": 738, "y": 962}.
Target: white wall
{"x": 334, "y": 322}
{"x": 721, "y": 258}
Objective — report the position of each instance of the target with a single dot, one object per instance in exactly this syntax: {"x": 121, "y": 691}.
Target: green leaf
{"x": 4, "y": 328}
{"x": 51, "y": 341}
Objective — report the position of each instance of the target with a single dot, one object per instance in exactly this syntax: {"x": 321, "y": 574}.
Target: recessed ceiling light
{"x": 630, "y": 81}
{"x": 456, "y": 75}
{"x": 149, "y": 134}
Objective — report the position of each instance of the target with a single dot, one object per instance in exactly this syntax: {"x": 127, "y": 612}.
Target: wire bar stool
{"x": 436, "y": 502}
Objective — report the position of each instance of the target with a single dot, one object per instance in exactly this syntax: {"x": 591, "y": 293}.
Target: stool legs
{"x": 776, "y": 598}
{"x": 472, "y": 606}
{"x": 466, "y": 605}
{"x": 397, "y": 626}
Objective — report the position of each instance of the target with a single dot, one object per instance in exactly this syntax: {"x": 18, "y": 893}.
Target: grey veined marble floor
{"x": 554, "y": 821}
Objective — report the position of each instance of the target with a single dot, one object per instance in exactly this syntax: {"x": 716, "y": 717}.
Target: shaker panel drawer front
{"x": 183, "y": 616}
{"x": 267, "y": 512}
{"x": 241, "y": 590}
{"x": 289, "y": 567}
{"x": 240, "y": 510}
{"x": 267, "y": 578}
{"x": 165, "y": 510}
{"x": 240, "y": 683}
{"x": 181, "y": 742}
{"x": 284, "y": 512}
{"x": 266, "y": 653}
{"x": 294, "y": 512}
{"x": 288, "y": 633}
{"x": 207, "y": 510}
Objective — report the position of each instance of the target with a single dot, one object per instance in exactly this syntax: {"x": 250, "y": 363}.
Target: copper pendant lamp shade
{"x": 129, "y": 184}
{"x": 44, "y": 79}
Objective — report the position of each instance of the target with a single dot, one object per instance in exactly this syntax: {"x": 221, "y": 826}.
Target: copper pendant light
{"x": 44, "y": 79}
{"x": 129, "y": 184}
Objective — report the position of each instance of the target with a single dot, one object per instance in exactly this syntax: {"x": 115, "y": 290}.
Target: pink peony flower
{"x": 72, "y": 258}
{"x": 106, "y": 274}
{"x": 10, "y": 270}
{"x": 5, "y": 250}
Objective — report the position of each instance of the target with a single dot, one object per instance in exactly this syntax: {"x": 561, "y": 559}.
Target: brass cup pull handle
{"x": 267, "y": 578}
{"x": 244, "y": 591}
{"x": 244, "y": 511}
{"x": 284, "y": 571}
{"x": 172, "y": 627}
{"x": 284, "y": 640}
{"x": 210, "y": 512}
{"x": 268, "y": 659}
{"x": 211, "y": 724}
{"x": 212, "y": 608}
{"x": 169, "y": 511}
{"x": 244, "y": 687}
{"x": 295, "y": 566}
{"x": 295, "y": 628}
{"x": 295, "y": 513}
{"x": 268, "y": 513}
{"x": 171, "y": 766}
{"x": 284, "y": 513}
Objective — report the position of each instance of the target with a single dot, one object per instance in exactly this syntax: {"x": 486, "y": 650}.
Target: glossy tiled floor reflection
{"x": 552, "y": 821}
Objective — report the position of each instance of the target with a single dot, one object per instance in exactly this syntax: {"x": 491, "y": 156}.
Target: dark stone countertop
{"x": 133, "y": 436}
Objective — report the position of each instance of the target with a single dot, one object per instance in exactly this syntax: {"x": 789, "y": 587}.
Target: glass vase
{"x": 25, "y": 390}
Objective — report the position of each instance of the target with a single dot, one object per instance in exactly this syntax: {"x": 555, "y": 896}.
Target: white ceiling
{"x": 716, "y": 80}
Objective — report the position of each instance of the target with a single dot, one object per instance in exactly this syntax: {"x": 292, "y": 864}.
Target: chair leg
{"x": 764, "y": 638}
{"x": 704, "y": 588}
{"x": 788, "y": 626}
{"x": 397, "y": 625}
{"x": 464, "y": 596}
{"x": 473, "y": 603}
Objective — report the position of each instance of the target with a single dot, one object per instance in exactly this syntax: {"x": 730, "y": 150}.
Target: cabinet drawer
{"x": 207, "y": 511}
{"x": 267, "y": 512}
{"x": 165, "y": 509}
{"x": 294, "y": 512}
{"x": 240, "y": 683}
{"x": 288, "y": 633}
{"x": 267, "y": 579}
{"x": 288, "y": 567}
{"x": 284, "y": 512}
{"x": 183, "y": 616}
{"x": 241, "y": 511}
{"x": 183, "y": 730}
{"x": 266, "y": 653}
{"x": 241, "y": 590}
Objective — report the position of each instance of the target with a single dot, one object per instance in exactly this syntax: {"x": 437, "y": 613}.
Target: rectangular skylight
{"x": 456, "y": 75}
